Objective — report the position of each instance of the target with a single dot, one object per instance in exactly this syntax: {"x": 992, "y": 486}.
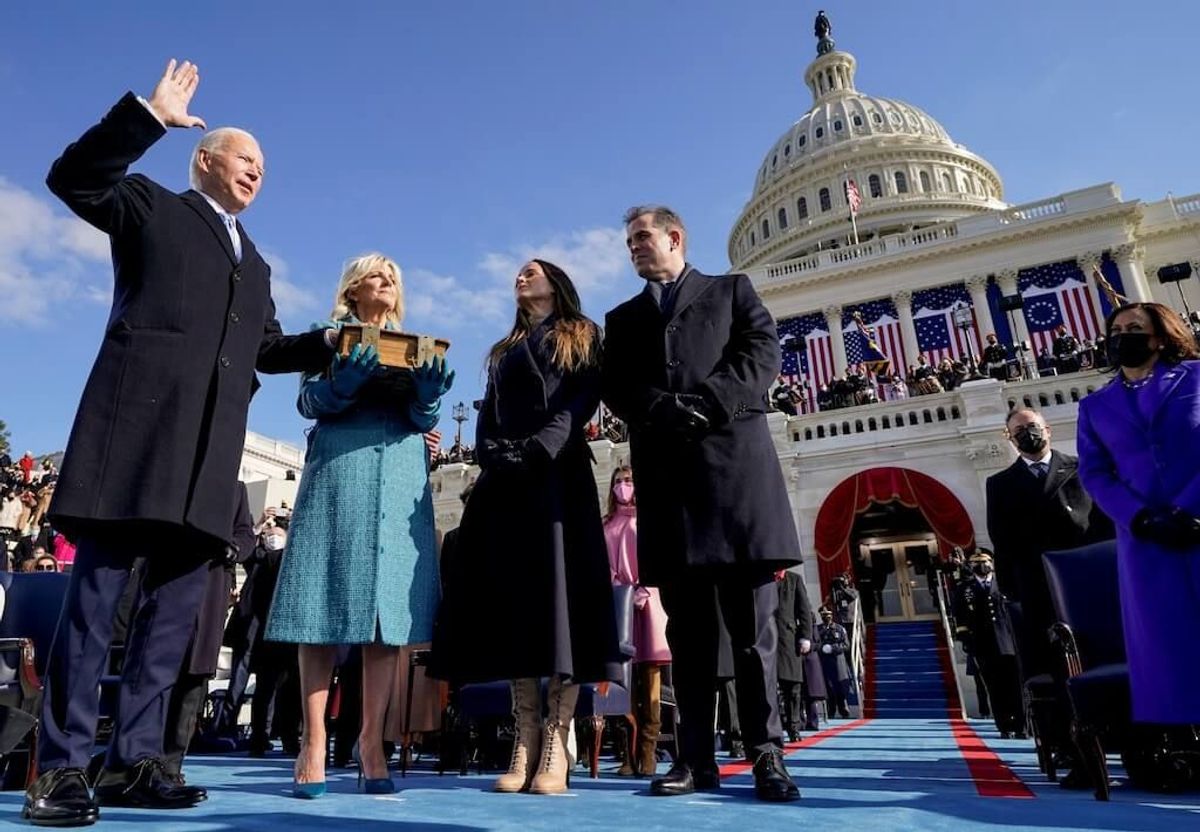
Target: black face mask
{"x": 1030, "y": 439}
{"x": 1129, "y": 349}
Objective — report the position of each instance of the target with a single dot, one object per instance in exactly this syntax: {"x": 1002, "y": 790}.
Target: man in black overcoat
{"x": 1037, "y": 505}
{"x": 688, "y": 363}
{"x": 153, "y": 455}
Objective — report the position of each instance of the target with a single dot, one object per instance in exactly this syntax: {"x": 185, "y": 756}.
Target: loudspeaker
{"x": 790, "y": 343}
{"x": 1009, "y": 303}
{"x": 1174, "y": 272}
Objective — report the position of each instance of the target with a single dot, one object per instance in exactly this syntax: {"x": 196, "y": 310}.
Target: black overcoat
{"x": 720, "y": 500}
{"x": 981, "y": 620}
{"x": 1027, "y": 517}
{"x": 159, "y": 431}
{"x": 528, "y": 591}
{"x": 791, "y": 616}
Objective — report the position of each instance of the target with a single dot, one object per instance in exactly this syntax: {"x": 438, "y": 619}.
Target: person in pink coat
{"x": 649, "y": 623}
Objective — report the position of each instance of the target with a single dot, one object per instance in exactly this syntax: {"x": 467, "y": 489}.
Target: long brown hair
{"x": 613, "y": 505}
{"x": 1178, "y": 342}
{"x": 574, "y": 341}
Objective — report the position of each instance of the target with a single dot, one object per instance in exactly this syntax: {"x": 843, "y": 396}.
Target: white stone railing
{"x": 1036, "y": 210}
{"x": 988, "y": 222}
{"x": 926, "y": 415}
{"x": 282, "y": 452}
{"x": 1187, "y": 205}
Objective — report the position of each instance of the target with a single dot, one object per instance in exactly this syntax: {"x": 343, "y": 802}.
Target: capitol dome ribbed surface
{"x": 907, "y": 169}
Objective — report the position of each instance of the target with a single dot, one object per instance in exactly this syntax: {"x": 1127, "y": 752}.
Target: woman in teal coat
{"x": 361, "y": 561}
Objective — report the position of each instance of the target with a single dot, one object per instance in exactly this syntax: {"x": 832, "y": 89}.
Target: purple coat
{"x": 1138, "y": 449}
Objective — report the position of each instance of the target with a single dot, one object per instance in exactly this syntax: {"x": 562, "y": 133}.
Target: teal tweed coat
{"x": 361, "y": 559}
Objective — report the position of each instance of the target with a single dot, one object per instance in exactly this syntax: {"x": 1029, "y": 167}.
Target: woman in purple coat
{"x": 1139, "y": 458}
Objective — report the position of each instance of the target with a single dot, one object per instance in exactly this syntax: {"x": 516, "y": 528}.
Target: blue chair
{"x": 1084, "y": 588}
{"x": 32, "y": 604}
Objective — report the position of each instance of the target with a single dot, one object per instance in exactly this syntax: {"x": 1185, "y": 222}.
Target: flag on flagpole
{"x": 853, "y": 197}
{"x": 1114, "y": 297}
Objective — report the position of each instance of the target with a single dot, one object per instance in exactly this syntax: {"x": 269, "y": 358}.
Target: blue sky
{"x": 460, "y": 138}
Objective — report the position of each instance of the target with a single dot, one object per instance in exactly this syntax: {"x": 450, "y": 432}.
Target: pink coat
{"x": 650, "y": 619}
{"x": 64, "y": 551}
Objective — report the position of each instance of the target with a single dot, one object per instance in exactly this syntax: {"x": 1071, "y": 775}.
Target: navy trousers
{"x": 704, "y": 606}
{"x": 162, "y": 624}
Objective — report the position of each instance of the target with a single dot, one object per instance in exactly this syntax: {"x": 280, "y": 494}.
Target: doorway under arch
{"x": 942, "y": 512}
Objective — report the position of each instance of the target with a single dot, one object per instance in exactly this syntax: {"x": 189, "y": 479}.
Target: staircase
{"x": 905, "y": 677}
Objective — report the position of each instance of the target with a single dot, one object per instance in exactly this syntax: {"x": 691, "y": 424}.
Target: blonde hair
{"x": 353, "y": 273}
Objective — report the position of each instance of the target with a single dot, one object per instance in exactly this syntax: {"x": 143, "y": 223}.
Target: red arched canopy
{"x": 941, "y": 509}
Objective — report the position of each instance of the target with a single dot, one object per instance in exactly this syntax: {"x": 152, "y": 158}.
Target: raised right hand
{"x": 350, "y": 372}
{"x": 174, "y": 92}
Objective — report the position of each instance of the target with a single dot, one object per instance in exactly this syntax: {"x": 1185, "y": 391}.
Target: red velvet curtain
{"x": 938, "y": 505}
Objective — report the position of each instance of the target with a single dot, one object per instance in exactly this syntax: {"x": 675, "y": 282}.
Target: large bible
{"x": 399, "y": 354}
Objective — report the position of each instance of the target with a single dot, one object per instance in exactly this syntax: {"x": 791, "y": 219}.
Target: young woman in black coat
{"x": 530, "y": 593}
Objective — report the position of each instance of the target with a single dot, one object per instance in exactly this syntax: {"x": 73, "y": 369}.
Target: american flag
{"x": 1057, "y": 294}
{"x": 937, "y": 336}
{"x": 853, "y": 197}
{"x": 815, "y": 363}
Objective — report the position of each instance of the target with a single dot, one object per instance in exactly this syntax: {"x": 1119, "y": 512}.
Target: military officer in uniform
{"x": 995, "y": 358}
{"x": 983, "y": 627}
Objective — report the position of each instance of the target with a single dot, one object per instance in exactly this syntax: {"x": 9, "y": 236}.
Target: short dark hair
{"x": 664, "y": 217}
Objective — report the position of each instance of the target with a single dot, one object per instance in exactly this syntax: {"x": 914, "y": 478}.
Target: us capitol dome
{"x": 908, "y": 171}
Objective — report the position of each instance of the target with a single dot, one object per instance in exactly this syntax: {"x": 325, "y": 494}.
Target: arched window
{"x": 820, "y": 132}
{"x": 877, "y": 118}
{"x": 801, "y": 208}
{"x": 901, "y": 182}
{"x": 837, "y": 125}
{"x": 766, "y": 229}
{"x": 858, "y": 121}
{"x": 947, "y": 182}
{"x": 787, "y": 150}
{"x": 800, "y": 142}
{"x": 782, "y": 218}
{"x": 875, "y": 186}
{"x": 824, "y": 197}
{"x": 925, "y": 186}
{"x": 753, "y": 241}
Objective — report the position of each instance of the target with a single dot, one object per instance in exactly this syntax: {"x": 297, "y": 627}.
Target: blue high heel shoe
{"x": 308, "y": 791}
{"x": 372, "y": 785}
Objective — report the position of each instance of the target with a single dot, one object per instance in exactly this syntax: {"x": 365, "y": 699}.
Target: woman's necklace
{"x": 1138, "y": 383}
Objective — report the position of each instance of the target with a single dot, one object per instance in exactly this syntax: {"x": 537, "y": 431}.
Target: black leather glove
{"x": 1171, "y": 527}
{"x": 519, "y": 454}
{"x": 685, "y": 414}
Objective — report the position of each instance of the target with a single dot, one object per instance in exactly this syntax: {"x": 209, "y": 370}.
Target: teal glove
{"x": 350, "y": 372}
{"x": 432, "y": 380}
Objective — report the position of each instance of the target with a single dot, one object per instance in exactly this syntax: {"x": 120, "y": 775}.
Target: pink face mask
{"x": 623, "y": 491}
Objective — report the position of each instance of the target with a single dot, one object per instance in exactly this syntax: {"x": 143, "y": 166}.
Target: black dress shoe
{"x": 1075, "y": 779}
{"x": 681, "y": 779}
{"x": 737, "y": 750}
{"x": 147, "y": 785}
{"x": 771, "y": 780}
{"x": 60, "y": 797}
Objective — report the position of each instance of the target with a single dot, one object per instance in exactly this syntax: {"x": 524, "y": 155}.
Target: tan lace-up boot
{"x": 527, "y": 739}
{"x": 556, "y": 763}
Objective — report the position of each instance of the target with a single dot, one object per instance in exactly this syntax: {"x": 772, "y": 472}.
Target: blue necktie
{"x": 1040, "y": 469}
{"x": 234, "y": 237}
{"x": 664, "y": 300}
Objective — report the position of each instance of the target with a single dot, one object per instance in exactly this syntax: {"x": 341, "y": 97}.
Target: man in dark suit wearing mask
{"x": 688, "y": 363}
{"x": 1037, "y": 505}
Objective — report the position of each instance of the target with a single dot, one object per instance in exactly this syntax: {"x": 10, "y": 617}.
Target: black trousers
{"x": 791, "y": 696}
{"x": 702, "y": 606}
{"x": 239, "y": 676}
{"x": 1003, "y": 685}
{"x": 162, "y": 624}
{"x": 183, "y": 711}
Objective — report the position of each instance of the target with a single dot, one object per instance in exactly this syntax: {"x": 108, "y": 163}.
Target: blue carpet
{"x": 906, "y": 672}
{"x": 886, "y": 774}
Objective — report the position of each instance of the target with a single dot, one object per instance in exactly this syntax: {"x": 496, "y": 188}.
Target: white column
{"x": 837, "y": 341}
{"x": 1088, "y": 264}
{"x": 977, "y": 288}
{"x": 908, "y": 331}
{"x": 1007, "y": 281}
{"x": 1129, "y": 260}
